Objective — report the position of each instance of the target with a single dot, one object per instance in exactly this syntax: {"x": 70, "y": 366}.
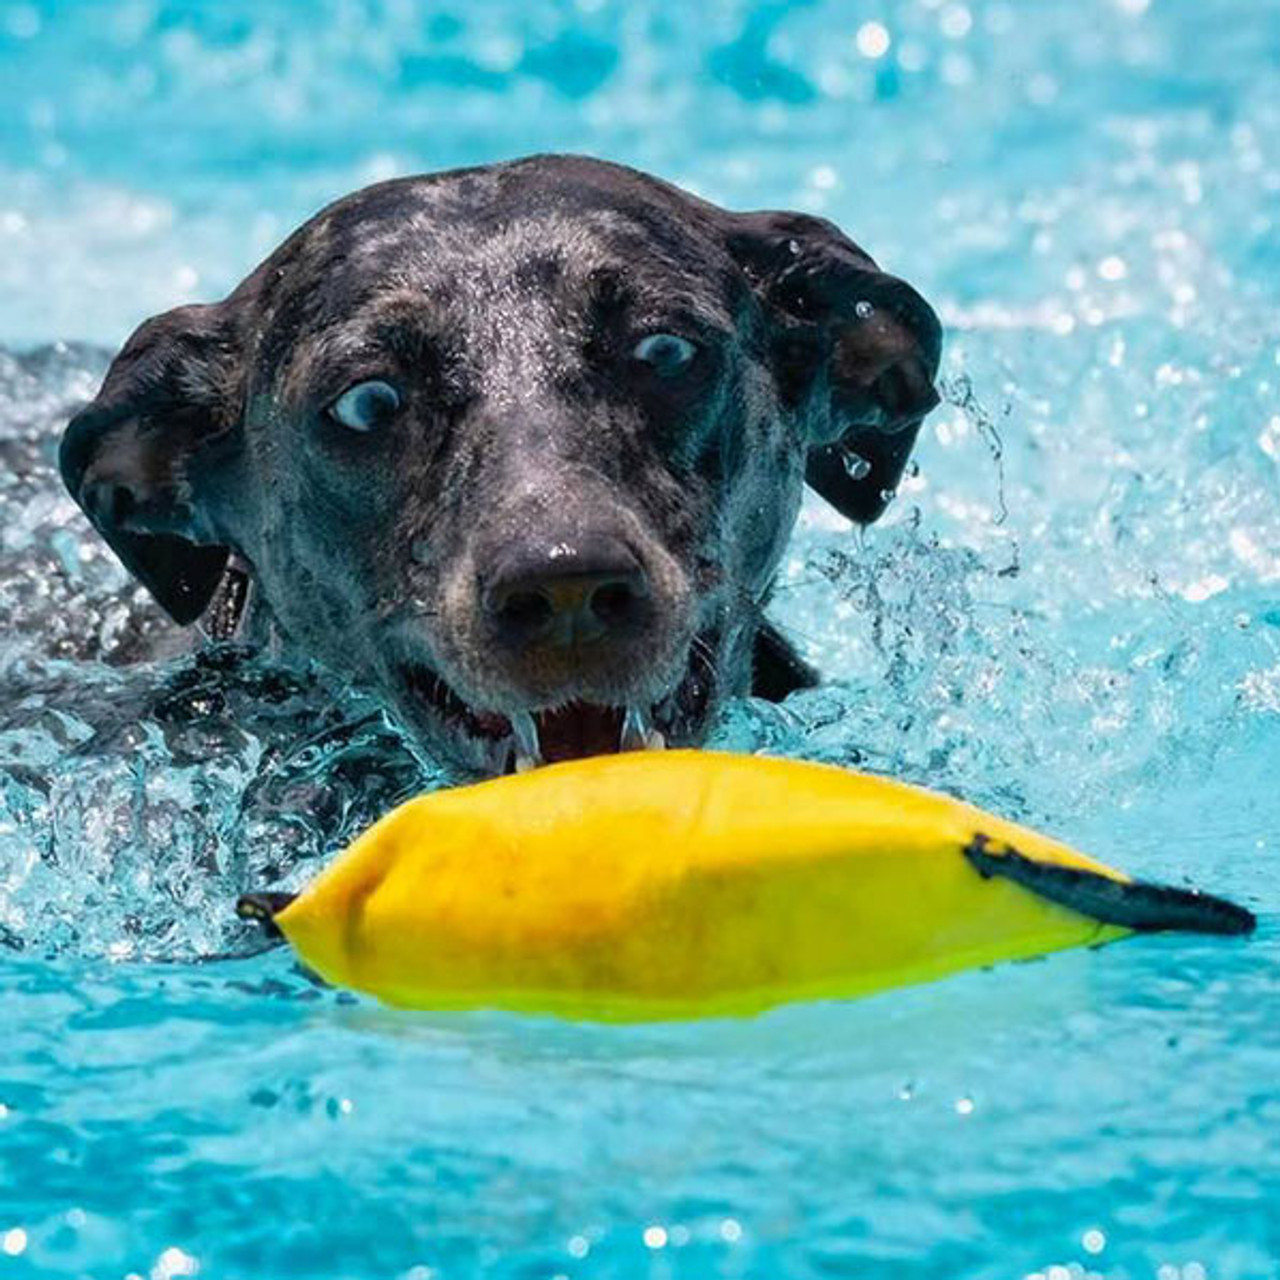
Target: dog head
{"x": 519, "y": 446}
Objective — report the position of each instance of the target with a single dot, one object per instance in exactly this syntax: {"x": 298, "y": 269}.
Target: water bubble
{"x": 1093, "y": 1240}
{"x": 863, "y": 309}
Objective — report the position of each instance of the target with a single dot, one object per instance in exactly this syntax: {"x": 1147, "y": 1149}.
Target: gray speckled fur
{"x": 503, "y": 302}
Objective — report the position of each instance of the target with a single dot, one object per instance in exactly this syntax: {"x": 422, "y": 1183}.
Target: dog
{"x": 518, "y": 447}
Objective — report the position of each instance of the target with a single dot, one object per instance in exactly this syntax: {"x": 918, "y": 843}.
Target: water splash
{"x": 1040, "y": 668}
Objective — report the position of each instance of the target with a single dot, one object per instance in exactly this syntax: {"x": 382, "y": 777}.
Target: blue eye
{"x": 667, "y": 354}
{"x": 366, "y": 406}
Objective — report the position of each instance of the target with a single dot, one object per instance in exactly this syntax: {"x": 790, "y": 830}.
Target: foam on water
{"x": 1071, "y": 614}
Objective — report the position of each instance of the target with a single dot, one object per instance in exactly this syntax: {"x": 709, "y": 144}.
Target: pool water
{"x": 1071, "y": 614}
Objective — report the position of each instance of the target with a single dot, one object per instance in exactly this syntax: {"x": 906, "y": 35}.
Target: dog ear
{"x": 855, "y": 351}
{"x": 140, "y": 457}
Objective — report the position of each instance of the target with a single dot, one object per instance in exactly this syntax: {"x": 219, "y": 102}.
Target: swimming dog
{"x": 518, "y": 447}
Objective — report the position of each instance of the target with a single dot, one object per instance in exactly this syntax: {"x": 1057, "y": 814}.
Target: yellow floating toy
{"x": 685, "y": 884}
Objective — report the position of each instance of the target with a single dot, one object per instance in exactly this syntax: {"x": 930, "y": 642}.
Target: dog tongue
{"x": 579, "y": 730}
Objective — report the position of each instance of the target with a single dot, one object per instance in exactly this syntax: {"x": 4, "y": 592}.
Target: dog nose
{"x": 567, "y": 593}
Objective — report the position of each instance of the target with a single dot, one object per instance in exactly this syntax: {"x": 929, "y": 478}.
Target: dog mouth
{"x": 515, "y": 742}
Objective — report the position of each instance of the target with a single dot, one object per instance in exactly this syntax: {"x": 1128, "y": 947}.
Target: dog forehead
{"x": 436, "y": 227}
{"x": 535, "y": 252}
{"x": 524, "y": 284}
{"x": 528, "y": 246}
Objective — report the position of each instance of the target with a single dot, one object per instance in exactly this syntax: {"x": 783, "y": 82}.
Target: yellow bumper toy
{"x": 681, "y": 884}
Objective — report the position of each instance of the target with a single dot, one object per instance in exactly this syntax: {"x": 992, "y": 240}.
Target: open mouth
{"x": 517, "y": 741}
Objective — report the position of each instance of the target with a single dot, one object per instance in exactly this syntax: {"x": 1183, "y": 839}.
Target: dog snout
{"x": 566, "y": 593}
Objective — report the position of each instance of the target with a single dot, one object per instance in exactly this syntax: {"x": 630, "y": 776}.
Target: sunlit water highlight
{"x": 1071, "y": 614}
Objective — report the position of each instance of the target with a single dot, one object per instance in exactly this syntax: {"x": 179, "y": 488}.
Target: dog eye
{"x": 366, "y": 406}
{"x": 667, "y": 354}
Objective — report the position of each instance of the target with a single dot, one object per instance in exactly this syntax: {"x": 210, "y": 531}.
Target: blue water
{"x": 1071, "y": 614}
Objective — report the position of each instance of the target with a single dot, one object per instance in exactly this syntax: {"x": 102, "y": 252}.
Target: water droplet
{"x": 872, "y": 40}
{"x": 174, "y": 1262}
{"x": 1112, "y": 268}
{"x": 855, "y": 465}
{"x": 956, "y": 21}
{"x": 863, "y": 309}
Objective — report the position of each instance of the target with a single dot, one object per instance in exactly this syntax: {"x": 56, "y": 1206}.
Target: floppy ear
{"x": 855, "y": 351}
{"x": 140, "y": 459}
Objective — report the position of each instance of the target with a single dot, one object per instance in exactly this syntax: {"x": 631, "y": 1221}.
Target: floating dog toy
{"x": 680, "y": 884}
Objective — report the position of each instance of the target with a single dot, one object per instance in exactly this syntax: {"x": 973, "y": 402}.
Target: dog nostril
{"x": 613, "y": 602}
{"x": 525, "y": 612}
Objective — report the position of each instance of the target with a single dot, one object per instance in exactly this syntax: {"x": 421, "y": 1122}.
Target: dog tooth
{"x": 524, "y": 729}
{"x": 637, "y": 729}
{"x": 655, "y": 740}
